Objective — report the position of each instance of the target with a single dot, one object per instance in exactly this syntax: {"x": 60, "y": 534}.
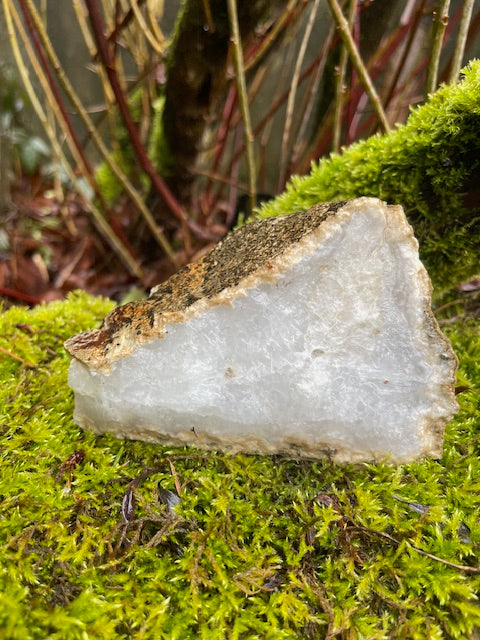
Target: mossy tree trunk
{"x": 196, "y": 76}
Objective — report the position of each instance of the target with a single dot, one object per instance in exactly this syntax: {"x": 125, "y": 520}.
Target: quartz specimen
{"x": 303, "y": 334}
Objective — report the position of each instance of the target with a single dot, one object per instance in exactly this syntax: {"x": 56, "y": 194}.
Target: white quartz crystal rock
{"x": 303, "y": 335}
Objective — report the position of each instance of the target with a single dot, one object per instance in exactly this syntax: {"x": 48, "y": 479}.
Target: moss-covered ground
{"x": 94, "y": 543}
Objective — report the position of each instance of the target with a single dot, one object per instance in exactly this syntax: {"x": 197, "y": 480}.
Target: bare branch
{"x": 66, "y": 85}
{"x": 441, "y": 21}
{"x": 461, "y": 40}
{"x": 243, "y": 99}
{"x": 158, "y": 183}
{"x": 358, "y": 62}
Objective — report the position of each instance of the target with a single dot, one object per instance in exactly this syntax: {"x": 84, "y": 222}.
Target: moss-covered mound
{"x": 430, "y": 165}
{"x": 94, "y": 543}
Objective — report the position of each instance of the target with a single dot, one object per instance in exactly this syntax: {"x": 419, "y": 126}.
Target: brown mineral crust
{"x": 239, "y": 255}
{"x": 251, "y": 247}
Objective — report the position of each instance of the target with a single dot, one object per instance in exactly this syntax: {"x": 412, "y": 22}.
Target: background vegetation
{"x": 190, "y": 122}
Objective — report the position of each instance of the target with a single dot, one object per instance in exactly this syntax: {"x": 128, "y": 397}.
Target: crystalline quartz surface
{"x": 334, "y": 354}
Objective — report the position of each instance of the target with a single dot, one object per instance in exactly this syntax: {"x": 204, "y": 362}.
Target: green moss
{"x": 107, "y": 181}
{"x": 254, "y": 550}
{"x": 430, "y": 165}
{"x": 125, "y": 158}
{"x": 158, "y": 151}
{"x": 123, "y": 155}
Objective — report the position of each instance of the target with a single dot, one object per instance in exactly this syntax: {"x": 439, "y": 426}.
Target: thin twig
{"x": 277, "y": 103}
{"x": 282, "y": 85}
{"x": 451, "y": 303}
{"x": 233, "y": 175}
{"x": 461, "y": 40}
{"x": 221, "y": 140}
{"x": 243, "y": 99}
{"x": 215, "y": 177}
{"x": 57, "y": 102}
{"x": 41, "y": 44}
{"x": 382, "y": 534}
{"x": 293, "y": 91}
{"x": 82, "y": 15}
{"x": 441, "y": 22}
{"x": 207, "y": 14}
{"x": 122, "y": 24}
{"x": 18, "y": 295}
{"x": 318, "y": 591}
{"x": 387, "y": 49}
{"x": 178, "y": 485}
{"x": 157, "y": 46}
{"x": 154, "y": 20}
{"x": 340, "y": 88}
{"x": 271, "y": 37}
{"x": 310, "y": 101}
{"x": 15, "y": 357}
{"x": 358, "y": 62}
{"x": 253, "y": 89}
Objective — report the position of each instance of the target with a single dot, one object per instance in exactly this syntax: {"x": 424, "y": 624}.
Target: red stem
{"x": 108, "y": 63}
{"x": 222, "y": 136}
{"x": 18, "y": 295}
{"x": 367, "y": 126}
{"x": 452, "y": 24}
